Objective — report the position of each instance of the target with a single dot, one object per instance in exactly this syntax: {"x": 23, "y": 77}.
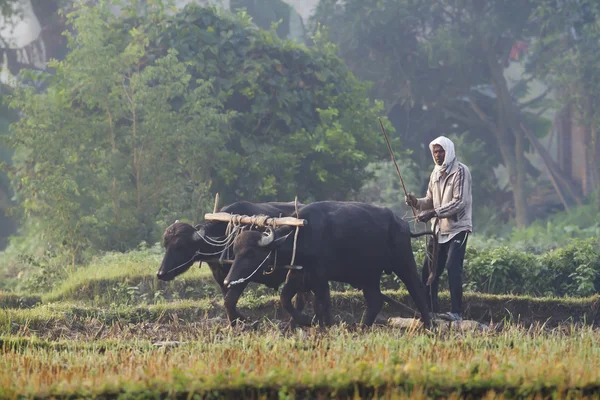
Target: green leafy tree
{"x": 304, "y": 124}
{"x": 148, "y": 116}
{"x": 566, "y": 55}
{"x": 106, "y": 152}
{"x": 267, "y": 12}
{"x": 439, "y": 65}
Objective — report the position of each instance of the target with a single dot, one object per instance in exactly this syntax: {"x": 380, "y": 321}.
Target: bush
{"x": 557, "y": 231}
{"x": 573, "y": 270}
{"x": 499, "y": 271}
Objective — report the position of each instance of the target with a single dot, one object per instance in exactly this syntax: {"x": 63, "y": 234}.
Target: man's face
{"x": 439, "y": 154}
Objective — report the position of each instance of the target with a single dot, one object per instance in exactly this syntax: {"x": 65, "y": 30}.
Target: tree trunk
{"x": 555, "y": 171}
{"x": 113, "y": 146}
{"x": 136, "y": 153}
{"x": 519, "y": 189}
{"x": 507, "y": 124}
{"x": 591, "y": 166}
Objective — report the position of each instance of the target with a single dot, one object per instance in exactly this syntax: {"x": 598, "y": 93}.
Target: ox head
{"x": 181, "y": 242}
{"x": 251, "y": 248}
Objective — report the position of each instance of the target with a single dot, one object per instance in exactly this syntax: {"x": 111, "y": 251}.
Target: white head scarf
{"x": 449, "y": 159}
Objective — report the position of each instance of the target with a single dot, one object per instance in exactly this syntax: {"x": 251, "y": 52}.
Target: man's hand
{"x": 411, "y": 200}
{"x": 425, "y": 216}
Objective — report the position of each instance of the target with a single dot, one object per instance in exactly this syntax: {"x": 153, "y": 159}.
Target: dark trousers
{"x": 451, "y": 255}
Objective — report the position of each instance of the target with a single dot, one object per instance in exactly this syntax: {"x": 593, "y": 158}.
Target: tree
{"x": 267, "y": 12}
{"x": 304, "y": 124}
{"x": 442, "y": 71}
{"x": 105, "y": 152}
{"x": 149, "y": 115}
{"x": 567, "y": 55}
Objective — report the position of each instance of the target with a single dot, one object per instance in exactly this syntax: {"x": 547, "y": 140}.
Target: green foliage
{"x": 569, "y": 271}
{"x": 567, "y": 51}
{"x": 6, "y": 224}
{"x": 490, "y": 267}
{"x": 148, "y": 116}
{"x": 29, "y": 263}
{"x": 14, "y": 300}
{"x": 441, "y": 72}
{"x": 566, "y": 55}
{"x": 87, "y": 148}
{"x": 304, "y": 125}
{"x": 556, "y": 231}
{"x": 385, "y": 189}
{"x": 266, "y": 13}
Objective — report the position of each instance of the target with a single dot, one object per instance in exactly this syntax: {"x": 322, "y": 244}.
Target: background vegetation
{"x": 146, "y": 114}
{"x": 146, "y": 111}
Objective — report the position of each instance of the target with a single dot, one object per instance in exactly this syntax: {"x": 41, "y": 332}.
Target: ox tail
{"x": 415, "y": 235}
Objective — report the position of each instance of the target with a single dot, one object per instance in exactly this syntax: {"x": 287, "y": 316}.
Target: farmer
{"x": 448, "y": 200}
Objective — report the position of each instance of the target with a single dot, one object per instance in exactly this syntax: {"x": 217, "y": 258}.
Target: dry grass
{"x": 273, "y": 361}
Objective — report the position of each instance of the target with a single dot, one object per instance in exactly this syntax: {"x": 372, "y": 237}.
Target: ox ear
{"x": 199, "y": 233}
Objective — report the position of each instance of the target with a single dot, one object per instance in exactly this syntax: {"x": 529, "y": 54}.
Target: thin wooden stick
{"x": 216, "y": 203}
{"x": 395, "y": 164}
{"x": 295, "y": 235}
{"x": 434, "y": 238}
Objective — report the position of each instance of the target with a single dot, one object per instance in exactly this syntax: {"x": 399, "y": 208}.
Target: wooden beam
{"x": 256, "y": 219}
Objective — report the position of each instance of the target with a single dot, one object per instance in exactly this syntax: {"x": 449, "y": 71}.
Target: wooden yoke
{"x": 258, "y": 220}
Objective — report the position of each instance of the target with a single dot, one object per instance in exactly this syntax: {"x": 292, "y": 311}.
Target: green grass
{"x": 16, "y": 300}
{"x": 110, "y": 278}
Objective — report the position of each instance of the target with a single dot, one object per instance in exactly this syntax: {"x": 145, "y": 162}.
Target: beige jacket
{"x": 449, "y": 194}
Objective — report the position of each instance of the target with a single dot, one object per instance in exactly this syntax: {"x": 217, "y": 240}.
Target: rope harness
{"x": 261, "y": 222}
{"x": 226, "y": 243}
{"x": 242, "y": 280}
{"x": 232, "y": 231}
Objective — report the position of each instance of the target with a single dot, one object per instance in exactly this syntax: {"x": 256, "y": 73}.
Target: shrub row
{"x": 573, "y": 270}
{"x": 570, "y": 271}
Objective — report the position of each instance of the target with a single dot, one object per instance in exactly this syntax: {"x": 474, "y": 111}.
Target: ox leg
{"x": 232, "y": 295}
{"x": 292, "y": 286}
{"x": 323, "y": 303}
{"x": 219, "y": 273}
{"x": 374, "y": 300}
{"x": 416, "y": 288}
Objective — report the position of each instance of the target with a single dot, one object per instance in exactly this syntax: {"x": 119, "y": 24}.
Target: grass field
{"x": 268, "y": 362}
{"x": 113, "y": 331}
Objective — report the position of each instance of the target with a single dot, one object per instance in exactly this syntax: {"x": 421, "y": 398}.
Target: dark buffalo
{"x": 186, "y": 244}
{"x": 344, "y": 241}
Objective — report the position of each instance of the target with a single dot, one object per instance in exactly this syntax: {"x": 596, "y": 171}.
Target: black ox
{"x": 185, "y": 244}
{"x": 344, "y": 241}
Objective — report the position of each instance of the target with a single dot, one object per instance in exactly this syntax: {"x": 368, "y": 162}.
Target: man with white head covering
{"x": 448, "y": 200}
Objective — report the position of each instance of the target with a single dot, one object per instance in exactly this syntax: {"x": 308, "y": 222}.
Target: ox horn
{"x": 199, "y": 234}
{"x": 267, "y": 240}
